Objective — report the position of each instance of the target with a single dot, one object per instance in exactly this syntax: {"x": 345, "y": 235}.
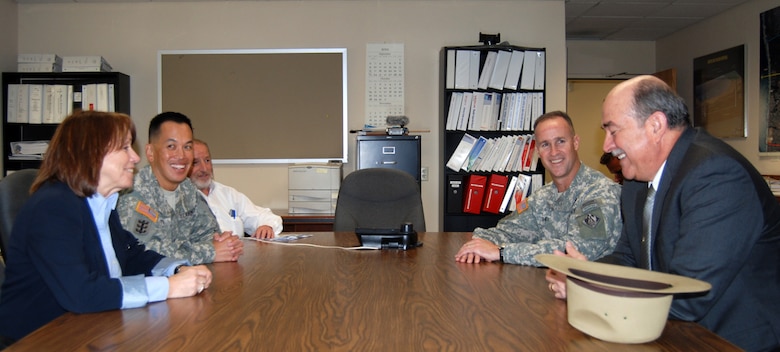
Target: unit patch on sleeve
{"x": 591, "y": 220}
{"x": 141, "y": 226}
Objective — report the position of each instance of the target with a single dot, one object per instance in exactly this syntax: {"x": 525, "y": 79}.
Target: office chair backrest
{"x": 14, "y": 191}
{"x": 2, "y": 273}
{"x": 378, "y": 198}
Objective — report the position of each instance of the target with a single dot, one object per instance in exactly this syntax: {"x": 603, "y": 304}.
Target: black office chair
{"x": 2, "y": 273}
{"x": 378, "y": 198}
{"x": 14, "y": 191}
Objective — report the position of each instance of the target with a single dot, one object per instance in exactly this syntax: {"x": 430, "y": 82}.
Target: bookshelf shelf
{"x": 25, "y": 131}
{"x": 511, "y": 97}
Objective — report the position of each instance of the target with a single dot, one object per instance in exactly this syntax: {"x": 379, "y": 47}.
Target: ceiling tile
{"x": 642, "y": 20}
{"x": 634, "y": 33}
{"x": 623, "y": 9}
{"x": 661, "y": 23}
{"x": 574, "y": 10}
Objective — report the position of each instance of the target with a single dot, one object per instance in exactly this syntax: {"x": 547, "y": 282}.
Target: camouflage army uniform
{"x": 185, "y": 233}
{"x": 587, "y": 214}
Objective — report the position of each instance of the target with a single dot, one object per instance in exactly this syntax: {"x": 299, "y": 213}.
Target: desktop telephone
{"x": 403, "y": 238}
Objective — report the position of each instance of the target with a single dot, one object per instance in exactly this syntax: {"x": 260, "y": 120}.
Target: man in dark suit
{"x": 713, "y": 217}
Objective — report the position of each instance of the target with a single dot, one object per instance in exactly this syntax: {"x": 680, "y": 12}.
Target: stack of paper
{"x": 93, "y": 63}
{"x": 28, "y": 150}
{"x": 39, "y": 63}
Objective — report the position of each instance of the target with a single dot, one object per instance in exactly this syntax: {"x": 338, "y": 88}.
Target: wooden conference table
{"x": 299, "y": 298}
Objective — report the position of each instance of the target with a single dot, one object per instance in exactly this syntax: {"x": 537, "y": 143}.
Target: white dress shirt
{"x": 236, "y": 212}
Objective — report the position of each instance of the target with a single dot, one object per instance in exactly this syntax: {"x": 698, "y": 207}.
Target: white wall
{"x": 732, "y": 28}
{"x": 609, "y": 59}
{"x": 129, "y": 35}
{"x": 8, "y": 35}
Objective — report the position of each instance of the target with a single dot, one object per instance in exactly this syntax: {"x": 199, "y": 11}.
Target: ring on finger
{"x": 551, "y": 286}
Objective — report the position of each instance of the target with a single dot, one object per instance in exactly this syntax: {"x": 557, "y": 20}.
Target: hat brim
{"x": 622, "y": 277}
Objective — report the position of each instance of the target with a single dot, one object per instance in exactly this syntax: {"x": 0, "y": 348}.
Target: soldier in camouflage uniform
{"x": 186, "y": 233}
{"x": 581, "y": 206}
{"x": 164, "y": 210}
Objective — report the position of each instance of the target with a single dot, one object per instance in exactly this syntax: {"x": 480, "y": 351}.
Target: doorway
{"x": 583, "y": 103}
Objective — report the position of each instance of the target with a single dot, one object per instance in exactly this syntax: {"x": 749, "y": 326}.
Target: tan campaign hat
{"x": 618, "y": 303}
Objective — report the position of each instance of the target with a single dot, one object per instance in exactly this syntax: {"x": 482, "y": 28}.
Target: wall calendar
{"x": 384, "y": 84}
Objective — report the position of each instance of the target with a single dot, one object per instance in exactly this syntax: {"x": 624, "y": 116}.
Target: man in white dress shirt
{"x": 234, "y": 210}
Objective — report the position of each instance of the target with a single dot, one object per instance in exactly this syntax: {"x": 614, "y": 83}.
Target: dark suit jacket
{"x": 716, "y": 220}
{"x": 56, "y": 263}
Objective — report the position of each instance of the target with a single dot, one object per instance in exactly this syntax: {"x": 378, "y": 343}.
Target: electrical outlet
{"x": 424, "y": 173}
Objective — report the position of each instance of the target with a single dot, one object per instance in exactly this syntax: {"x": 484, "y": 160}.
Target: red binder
{"x": 475, "y": 191}
{"x": 496, "y": 187}
{"x": 530, "y": 156}
{"x": 526, "y": 155}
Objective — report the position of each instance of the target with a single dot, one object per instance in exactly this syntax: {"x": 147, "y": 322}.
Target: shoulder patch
{"x": 522, "y": 206}
{"x": 146, "y": 211}
{"x": 591, "y": 220}
{"x": 141, "y": 226}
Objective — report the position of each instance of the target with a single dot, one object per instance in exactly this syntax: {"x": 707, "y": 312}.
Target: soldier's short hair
{"x": 157, "y": 121}
{"x": 552, "y": 115}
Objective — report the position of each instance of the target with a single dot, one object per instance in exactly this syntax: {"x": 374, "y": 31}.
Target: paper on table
{"x": 282, "y": 238}
{"x": 29, "y": 147}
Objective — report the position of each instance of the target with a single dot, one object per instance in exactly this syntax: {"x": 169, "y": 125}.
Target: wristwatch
{"x": 501, "y": 254}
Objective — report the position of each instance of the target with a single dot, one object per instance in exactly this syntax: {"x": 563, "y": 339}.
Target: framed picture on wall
{"x": 769, "y": 83}
{"x": 719, "y": 93}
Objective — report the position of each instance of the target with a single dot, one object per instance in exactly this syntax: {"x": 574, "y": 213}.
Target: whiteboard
{"x": 260, "y": 106}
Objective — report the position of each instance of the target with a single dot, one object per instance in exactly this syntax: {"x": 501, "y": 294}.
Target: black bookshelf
{"x": 453, "y": 219}
{"x": 14, "y": 131}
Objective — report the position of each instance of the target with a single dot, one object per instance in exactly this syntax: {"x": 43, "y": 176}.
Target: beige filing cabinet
{"x": 313, "y": 188}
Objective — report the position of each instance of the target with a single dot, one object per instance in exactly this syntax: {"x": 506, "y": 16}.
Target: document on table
{"x": 282, "y": 238}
